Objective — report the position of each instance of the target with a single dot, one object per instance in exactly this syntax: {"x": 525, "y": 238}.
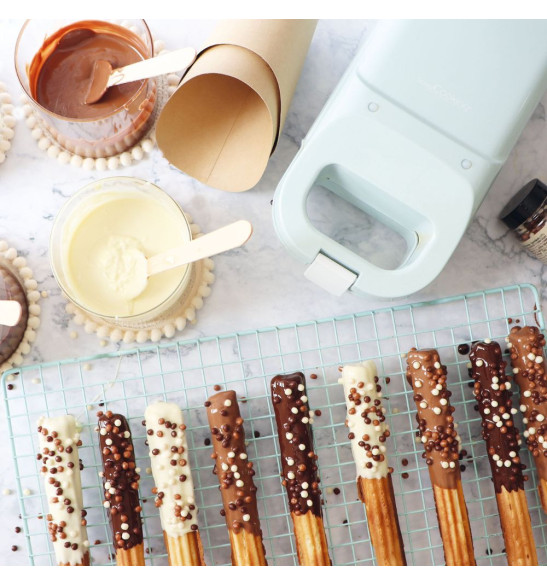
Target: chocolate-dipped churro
{"x": 60, "y": 468}
{"x": 299, "y": 467}
{"x": 235, "y": 475}
{"x": 174, "y": 489}
{"x": 121, "y": 488}
{"x": 526, "y": 346}
{"x": 437, "y": 431}
{"x": 368, "y": 432}
{"x": 492, "y": 392}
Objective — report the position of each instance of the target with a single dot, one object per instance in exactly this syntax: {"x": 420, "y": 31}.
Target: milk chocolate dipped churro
{"x": 235, "y": 475}
{"x": 60, "y": 468}
{"x": 368, "y": 432}
{"x": 299, "y": 467}
{"x": 526, "y": 345}
{"x": 492, "y": 392}
{"x": 121, "y": 488}
{"x": 437, "y": 431}
{"x": 174, "y": 489}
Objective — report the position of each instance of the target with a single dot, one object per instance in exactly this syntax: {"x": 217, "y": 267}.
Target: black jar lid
{"x": 523, "y": 205}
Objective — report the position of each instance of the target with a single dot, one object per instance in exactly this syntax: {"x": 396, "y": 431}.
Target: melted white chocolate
{"x": 362, "y": 378}
{"x": 176, "y": 513}
{"x": 65, "y": 520}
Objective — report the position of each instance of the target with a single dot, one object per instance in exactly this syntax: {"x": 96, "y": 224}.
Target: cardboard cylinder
{"x": 223, "y": 122}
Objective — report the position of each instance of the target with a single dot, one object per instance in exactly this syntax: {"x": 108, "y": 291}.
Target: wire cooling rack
{"x": 186, "y": 372}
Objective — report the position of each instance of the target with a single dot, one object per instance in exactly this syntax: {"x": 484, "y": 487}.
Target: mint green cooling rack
{"x": 186, "y": 371}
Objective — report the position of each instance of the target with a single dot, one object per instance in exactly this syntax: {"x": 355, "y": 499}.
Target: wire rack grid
{"x": 187, "y": 371}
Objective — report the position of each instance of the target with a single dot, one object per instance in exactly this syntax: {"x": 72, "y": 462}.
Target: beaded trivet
{"x": 192, "y": 300}
{"x": 46, "y": 142}
{"x": 18, "y": 265}
{"x": 7, "y": 122}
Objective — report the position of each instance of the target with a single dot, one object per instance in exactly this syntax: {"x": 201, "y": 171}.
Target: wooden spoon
{"x": 103, "y": 76}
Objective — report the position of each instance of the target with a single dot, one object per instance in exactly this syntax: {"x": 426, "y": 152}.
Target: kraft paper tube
{"x": 223, "y": 122}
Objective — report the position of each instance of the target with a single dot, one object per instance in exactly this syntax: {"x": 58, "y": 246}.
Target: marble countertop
{"x": 260, "y": 284}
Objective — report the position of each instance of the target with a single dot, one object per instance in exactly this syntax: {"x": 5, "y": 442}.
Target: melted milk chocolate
{"x": 298, "y": 459}
{"x": 492, "y": 391}
{"x": 61, "y": 72}
{"x": 436, "y": 428}
{"x": 235, "y": 472}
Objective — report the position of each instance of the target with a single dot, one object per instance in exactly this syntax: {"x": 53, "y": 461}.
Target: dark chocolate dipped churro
{"x": 492, "y": 392}
{"x": 299, "y": 467}
{"x": 121, "y": 488}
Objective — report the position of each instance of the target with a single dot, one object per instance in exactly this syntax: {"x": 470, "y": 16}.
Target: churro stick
{"x": 526, "y": 345}
{"x": 368, "y": 433}
{"x": 174, "y": 489}
{"x": 299, "y": 467}
{"x": 235, "y": 475}
{"x": 492, "y": 392}
{"x": 60, "y": 467}
{"x": 121, "y": 488}
{"x": 441, "y": 442}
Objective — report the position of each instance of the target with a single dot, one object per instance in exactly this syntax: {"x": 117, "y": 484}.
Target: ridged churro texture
{"x": 492, "y": 391}
{"x": 437, "y": 431}
{"x": 247, "y": 549}
{"x": 185, "y": 550}
{"x": 311, "y": 541}
{"x": 383, "y": 524}
{"x": 131, "y": 557}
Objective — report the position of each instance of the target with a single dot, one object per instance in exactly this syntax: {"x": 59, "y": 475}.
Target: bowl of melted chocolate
{"x": 56, "y": 74}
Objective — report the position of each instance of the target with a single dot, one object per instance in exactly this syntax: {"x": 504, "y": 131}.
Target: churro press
{"x": 413, "y": 135}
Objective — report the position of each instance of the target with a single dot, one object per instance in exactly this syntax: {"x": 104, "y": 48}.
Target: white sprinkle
{"x": 243, "y": 455}
{"x": 291, "y": 475}
{"x": 304, "y": 494}
{"x": 225, "y": 467}
{"x": 233, "y": 468}
{"x": 289, "y": 436}
{"x": 499, "y": 424}
{"x": 102, "y": 432}
{"x": 512, "y": 454}
{"x": 423, "y": 404}
{"x": 540, "y": 417}
{"x": 495, "y": 379}
{"x": 107, "y": 485}
{"x": 294, "y": 410}
{"x": 437, "y": 365}
{"x": 418, "y": 384}
{"x": 288, "y": 391}
{"x": 523, "y": 408}
{"x": 507, "y": 463}
{"x": 539, "y": 359}
{"x": 302, "y": 447}
{"x": 305, "y": 420}
{"x": 531, "y": 356}
{"x": 495, "y": 457}
{"x": 101, "y": 474}
{"x": 290, "y": 461}
{"x": 7, "y": 492}
{"x": 424, "y": 439}
{"x": 435, "y": 392}
{"x": 310, "y": 503}
{"x": 246, "y": 517}
{"x": 506, "y": 416}
{"x": 437, "y": 410}
{"x": 444, "y": 464}
{"x": 239, "y": 483}
{"x": 304, "y": 398}
{"x": 106, "y": 504}
{"x": 231, "y": 455}
{"x": 125, "y": 535}
{"x": 514, "y": 411}
{"x": 439, "y": 387}
{"x": 27, "y": 492}
{"x": 452, "y": 465}
{"x": 495, "y": 418}
{"x": 227, "y": 403}
{"x": 301, "y": 387}
{"x": 305, "y": 485}
{"x": 532, "y": 430}
{"x": 416, "y": 365}
{"x": 124, "y": 526}
{"x": 488, "y": 340}
{"x": 494, "y": 403}
{"x": 237, "y": 475}
{"x": 507, "y": 385}
{"x": 499, "y": 463}
{"x": 479, "y": 363}
{"x": 495, "y": 387}
{"x": 443, "y": 401}
{"x": 118, "y": 422}
{"x": 108, "y": 441}
{"x": 527, "y": 394}
{"x": 515, "y": 370}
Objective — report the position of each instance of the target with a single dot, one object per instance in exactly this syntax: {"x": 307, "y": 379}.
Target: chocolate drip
{"x": 436, "y": 427}
{"x": 120, "y": 480}
{"x": 298, "y": 458}
{"x": 526, "y": 345}
{"x": 235, "y": 472}
{"x": 492, "y": 391}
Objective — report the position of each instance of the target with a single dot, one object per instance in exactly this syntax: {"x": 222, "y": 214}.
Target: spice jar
{"x": 526, "y": 214}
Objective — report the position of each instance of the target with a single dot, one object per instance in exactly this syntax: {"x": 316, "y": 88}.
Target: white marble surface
{"x": 259, "y": 285}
